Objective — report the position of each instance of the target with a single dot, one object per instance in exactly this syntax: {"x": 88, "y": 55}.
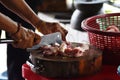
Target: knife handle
{"x": 6, "y": 41}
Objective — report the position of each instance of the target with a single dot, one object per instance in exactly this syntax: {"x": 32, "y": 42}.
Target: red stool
{"x": 107, "y": 73}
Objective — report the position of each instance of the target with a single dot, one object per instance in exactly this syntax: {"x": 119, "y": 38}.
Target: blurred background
{"x": 68, "y": 12}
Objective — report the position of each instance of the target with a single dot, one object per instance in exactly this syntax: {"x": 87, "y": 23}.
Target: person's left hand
{"x": 50, "y": 27}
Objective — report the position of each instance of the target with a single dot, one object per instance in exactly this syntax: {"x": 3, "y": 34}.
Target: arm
{"x": 21, "y": 8}
{"x": 7, "y": 24}
{"x": 23, "y": 37}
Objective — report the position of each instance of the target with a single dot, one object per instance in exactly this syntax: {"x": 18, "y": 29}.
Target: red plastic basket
{"x": 109, "y": 42}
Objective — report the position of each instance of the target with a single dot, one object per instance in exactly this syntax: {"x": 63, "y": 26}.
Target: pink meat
{"x": 112, "y": 28}
{"x": 63, "y": 50}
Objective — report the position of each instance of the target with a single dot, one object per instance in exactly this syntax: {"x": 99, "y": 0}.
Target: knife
{"x": 6, "y": 41}
{"x": 45, "y": 40}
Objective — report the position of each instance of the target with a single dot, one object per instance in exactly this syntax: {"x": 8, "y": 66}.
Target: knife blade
{"x": 47, "y": 40}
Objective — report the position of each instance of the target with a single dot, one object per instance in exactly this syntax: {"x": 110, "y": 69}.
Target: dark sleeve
{"x": 33, "y": 4}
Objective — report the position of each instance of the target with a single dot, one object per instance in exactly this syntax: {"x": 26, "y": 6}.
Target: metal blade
{"x": 47, "y": 40}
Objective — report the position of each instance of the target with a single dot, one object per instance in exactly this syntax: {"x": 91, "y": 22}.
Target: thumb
{"x": 37, "y": 39}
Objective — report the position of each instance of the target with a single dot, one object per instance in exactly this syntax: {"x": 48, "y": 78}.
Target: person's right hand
{"x": 51, "y": 27}
{"x": 25, "y": 38}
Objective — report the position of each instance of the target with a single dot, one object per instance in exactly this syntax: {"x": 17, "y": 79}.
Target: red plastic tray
{"x": 108, "y": 72}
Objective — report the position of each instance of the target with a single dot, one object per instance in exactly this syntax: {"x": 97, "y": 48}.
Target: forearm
{"x": 7, "y": 24}
{"x": 21, "y": 8}
{"x": 23, "y": 38}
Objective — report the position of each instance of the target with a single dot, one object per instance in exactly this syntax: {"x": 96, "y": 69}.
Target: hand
{"x": 25, "y": 38}
{"x": 47, "y": 28}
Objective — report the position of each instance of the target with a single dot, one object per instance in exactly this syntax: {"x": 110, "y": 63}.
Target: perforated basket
{"x": 109, "y": 42}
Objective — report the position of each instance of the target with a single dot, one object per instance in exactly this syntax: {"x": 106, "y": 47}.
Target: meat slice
{"x": 112, "y": 28}
{"x": 65, "y": 49}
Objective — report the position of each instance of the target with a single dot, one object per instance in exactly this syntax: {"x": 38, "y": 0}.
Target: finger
{"x": 17, "y": 43}
{"x": 29, "y": 40}
{"x": 63, "y": 32}
{"x": 63, "y": 37}
{"x": 37, "y": 39}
